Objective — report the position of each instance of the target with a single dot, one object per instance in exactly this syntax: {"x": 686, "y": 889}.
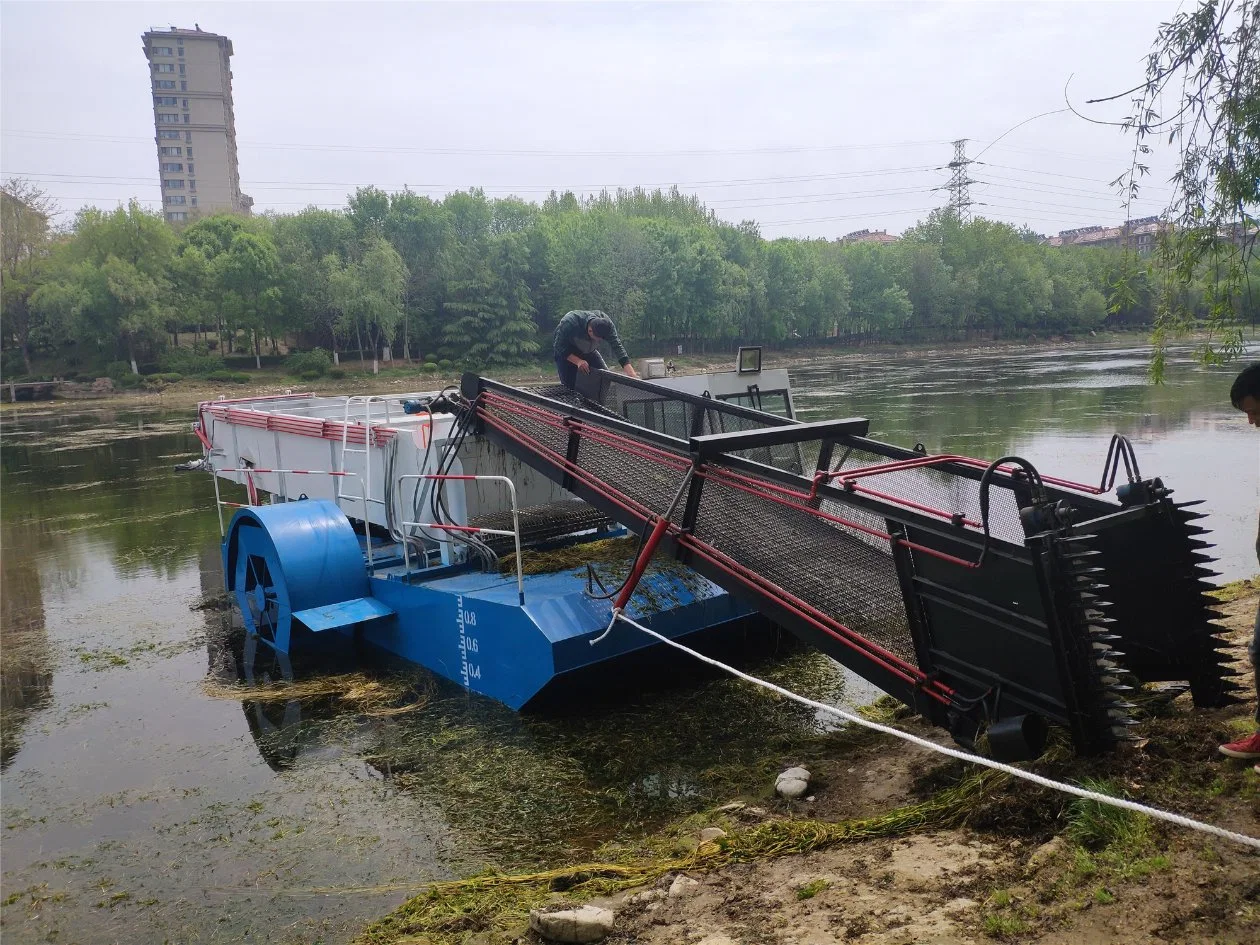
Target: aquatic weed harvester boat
{"x": 989, "y": 597}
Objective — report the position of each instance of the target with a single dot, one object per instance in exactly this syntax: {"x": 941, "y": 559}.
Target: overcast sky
{"x": 812, "y": 119}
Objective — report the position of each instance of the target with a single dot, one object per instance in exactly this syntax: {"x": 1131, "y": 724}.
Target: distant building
{"x": 1240, "y": 235}
{"x": 190, "y": 75}
{"x": 1139, "y": 234}
{"x": 868, "y": 236}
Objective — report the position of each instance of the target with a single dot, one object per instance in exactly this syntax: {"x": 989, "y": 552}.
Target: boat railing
{"x": 367, "y": 400}
{"x": 247, "y": 473}
{"x": 515, "y": 533}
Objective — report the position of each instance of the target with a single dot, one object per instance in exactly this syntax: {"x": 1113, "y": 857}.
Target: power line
{"x": 1027, "y": 170}
{"x": 1049, "y": 187}
{"x": 60, "y": 177}
{"x": 834, "y": 197}
{"x": 850, "y": 216}
{"x": 496, "y": 152}
{"x": 1018, "y": 193}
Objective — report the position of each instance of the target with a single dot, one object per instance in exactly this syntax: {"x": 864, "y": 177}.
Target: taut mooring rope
{"x": 1120, "y": 802}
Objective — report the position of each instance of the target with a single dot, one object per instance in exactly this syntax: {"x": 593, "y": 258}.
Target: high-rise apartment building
{"x": 191, "y": 76}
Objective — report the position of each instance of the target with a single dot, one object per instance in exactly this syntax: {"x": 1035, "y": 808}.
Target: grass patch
{"x": 607, "y": 551}
{"x": 1236, "y": 590}
{"x": 1095, "y": 825}
{"x": 811, "y": 889}
{"x": 1104, "y": 896}
{"x": 1000, "y": 899}
{"x": 1111, "y": 844}
{"x": 886, "y": 710}
{"x": 1003, "y": 925}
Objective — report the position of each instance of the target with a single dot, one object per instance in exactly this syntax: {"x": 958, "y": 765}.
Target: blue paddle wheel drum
{"x": 297, "y": 560}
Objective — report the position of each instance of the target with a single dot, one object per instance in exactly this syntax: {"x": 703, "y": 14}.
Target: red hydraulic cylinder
{"x": 641, "y": 564}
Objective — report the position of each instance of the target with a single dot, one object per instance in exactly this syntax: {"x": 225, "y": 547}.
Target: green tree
{"x": 310, "y": 247}
{"x": 420, "y": 229}
{"x": 369, "y": 294}
{"x": 119, "y": 263}
{"x": 199, "y": 288}
{"x": 25, "y": 243}
{"x": 248, "y": 277}
{"x": 56, "y": 308}
{"x": 878, "y": 303}
{"x": 193, "y": 296}
{"x": 368, "y": 210}
{"x": 490, "y": 315}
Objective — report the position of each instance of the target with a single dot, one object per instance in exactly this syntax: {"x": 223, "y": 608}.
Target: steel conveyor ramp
{"x": 988, "y": 597}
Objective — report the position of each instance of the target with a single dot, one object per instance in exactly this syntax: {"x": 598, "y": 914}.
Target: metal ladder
{"x": 367, "y": 400}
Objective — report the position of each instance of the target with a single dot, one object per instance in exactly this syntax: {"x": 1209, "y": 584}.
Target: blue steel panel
{"x": 470, "y": 628}
{"x": 343, "y": 614}
{"x": 487, "y": 646}
{"x": 676, "y": 622}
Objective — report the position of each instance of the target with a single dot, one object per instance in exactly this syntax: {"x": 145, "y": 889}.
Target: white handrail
{"x": 472, "y": 529}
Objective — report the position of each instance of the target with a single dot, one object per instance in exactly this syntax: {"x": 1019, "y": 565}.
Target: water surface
{"x": 1059, "y": 409}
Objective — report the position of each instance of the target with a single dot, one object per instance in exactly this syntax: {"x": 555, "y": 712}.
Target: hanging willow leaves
{"x": 1206, "y": 62}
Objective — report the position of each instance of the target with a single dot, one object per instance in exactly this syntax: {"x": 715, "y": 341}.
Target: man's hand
{"x": 630, "y": 371}
{"x": 582, "y": 366}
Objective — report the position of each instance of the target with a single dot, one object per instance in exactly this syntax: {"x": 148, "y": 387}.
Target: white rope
{"x": 967, "y": 756}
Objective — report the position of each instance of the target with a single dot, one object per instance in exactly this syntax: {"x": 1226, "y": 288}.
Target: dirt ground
{"x": 1012, "y": 873}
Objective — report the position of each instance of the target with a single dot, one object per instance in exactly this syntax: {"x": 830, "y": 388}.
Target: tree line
{"x": 483, "y": 281}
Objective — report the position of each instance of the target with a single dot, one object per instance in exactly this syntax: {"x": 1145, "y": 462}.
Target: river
{"x": 138, "y": 807}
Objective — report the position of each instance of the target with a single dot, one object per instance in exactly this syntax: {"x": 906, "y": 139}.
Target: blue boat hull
{"x": 474, "y": 631}
{"x": 298, "y": 574}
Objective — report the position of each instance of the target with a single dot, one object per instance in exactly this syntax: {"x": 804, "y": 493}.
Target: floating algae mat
{"x": 536, "y": 789}
{"x": 357, "y": 692}
{"x": 529, "y": 791}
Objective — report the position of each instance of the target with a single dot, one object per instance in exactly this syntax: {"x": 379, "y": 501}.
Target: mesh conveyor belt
{"x": 933, "y": 488}
{"x": 941, "y": 490}
{"x": 844, "y": 574}
{"x": 878, "y": 562}
{"x": 827, "y": 566}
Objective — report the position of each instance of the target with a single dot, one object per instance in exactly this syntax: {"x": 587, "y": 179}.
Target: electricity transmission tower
{"x": 960, "y": 182}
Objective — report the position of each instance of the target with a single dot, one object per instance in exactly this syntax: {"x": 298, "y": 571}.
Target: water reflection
{"x": 25, "y": 667}
{"x": 1059, "y": 409}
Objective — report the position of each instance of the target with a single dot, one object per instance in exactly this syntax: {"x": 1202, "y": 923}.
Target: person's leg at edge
{"x": 1249, "y": 747}
{"x": 1253, "y": 650}
{"x": 567, "y": 372}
